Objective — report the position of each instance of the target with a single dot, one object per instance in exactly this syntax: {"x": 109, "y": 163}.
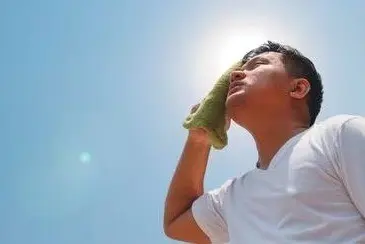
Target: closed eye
{"x": 258, "y": 63}
{"x": 254, "y": 63}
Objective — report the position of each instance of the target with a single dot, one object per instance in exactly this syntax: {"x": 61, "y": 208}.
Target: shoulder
{"x": 336, "y": 122}
{"x": 351, "y": 134}
{"x": 225, "y": 187}
{"x": 225, "y": 190}
{"x": 331, "y": 127}
{"x": 326, "y": 135}
{"x": 340, "y": 132}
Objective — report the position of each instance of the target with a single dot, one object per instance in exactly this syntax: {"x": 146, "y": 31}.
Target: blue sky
{"x": 93, "y": 95}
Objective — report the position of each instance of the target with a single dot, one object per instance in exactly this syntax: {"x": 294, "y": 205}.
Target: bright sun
{"x": 234, "y": 46}
{"x": 219, "y": 50}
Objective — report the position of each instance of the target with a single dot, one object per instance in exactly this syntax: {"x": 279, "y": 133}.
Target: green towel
{"x": 211, "y": 112}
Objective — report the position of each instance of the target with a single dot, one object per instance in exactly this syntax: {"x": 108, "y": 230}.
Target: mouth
{"x": 235, "y": 86}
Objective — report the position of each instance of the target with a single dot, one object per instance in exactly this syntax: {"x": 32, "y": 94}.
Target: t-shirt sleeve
{"x": 209, "y": 214}
{"x": 351, "y": 155}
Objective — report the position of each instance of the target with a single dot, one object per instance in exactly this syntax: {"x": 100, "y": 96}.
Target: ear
{"x": 299, "y": 88}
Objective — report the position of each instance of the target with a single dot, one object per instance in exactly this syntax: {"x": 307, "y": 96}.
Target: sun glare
{"x": 220, "y": 49}
{"x": 234, "y": 46}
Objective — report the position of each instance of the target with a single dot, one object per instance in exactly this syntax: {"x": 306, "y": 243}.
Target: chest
{"x": 298, "y": 194}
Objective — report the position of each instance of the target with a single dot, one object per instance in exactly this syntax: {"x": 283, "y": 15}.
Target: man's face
{"x": 261, "y": 86}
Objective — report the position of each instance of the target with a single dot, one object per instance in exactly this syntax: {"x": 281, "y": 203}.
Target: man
{"x": 308, "y": 186}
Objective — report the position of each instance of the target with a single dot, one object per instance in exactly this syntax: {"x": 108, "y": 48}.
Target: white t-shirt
{"x": 312, "y": 192}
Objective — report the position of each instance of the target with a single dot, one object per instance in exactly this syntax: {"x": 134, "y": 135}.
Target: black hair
{"x": 297, "y": 66}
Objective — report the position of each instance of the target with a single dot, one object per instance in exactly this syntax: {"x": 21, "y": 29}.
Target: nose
{"x": 236, "y": 75}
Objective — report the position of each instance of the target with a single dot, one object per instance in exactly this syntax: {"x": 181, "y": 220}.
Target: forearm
{"x": 188, "y": 181}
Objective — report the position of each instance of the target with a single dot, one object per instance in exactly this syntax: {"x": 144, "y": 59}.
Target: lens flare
{"x": 85, "y": 157}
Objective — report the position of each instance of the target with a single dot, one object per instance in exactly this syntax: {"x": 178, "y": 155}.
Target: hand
{"x": 200, "y": 134}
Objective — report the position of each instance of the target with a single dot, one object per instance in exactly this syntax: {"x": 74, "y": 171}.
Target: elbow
{"x": 168, "y": 231}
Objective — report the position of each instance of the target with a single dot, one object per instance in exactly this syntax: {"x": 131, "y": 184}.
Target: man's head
{"x": 274, "y": 80}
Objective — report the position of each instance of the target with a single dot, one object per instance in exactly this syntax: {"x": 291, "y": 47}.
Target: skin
{"x": 263, "y": 99}
{"x": 269, "y": 103}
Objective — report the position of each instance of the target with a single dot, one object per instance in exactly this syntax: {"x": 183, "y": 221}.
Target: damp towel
{"x": 211, "y": 112}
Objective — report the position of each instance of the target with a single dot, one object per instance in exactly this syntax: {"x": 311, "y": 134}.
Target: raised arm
{"x": 186, "y": 186}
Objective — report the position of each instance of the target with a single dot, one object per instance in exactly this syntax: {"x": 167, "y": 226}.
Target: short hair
{"x": 297, "y": 66}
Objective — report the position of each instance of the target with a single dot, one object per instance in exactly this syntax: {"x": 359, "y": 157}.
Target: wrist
{"x": 199, "y": 138}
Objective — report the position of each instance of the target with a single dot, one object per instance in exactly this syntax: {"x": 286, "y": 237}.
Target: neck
{"x": 269, "y": 138}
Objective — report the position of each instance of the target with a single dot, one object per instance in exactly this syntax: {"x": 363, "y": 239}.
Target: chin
{"x": 234, "y": 100}
{"x": 234, "y": 107}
